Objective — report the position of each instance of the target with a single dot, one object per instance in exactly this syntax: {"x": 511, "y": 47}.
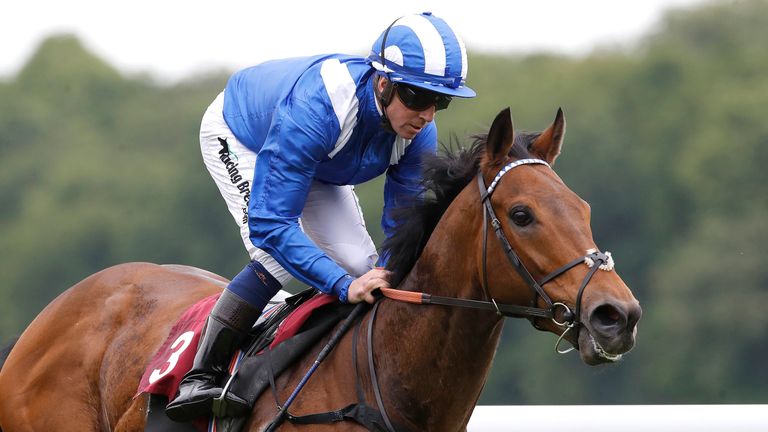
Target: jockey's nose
{"x": 428, "y": 114}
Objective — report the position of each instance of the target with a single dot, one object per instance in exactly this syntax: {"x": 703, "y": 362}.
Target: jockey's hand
{"x": 360, "y": 289}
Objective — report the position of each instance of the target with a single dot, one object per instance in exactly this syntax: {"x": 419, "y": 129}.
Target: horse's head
{"x": 548, "y": 228}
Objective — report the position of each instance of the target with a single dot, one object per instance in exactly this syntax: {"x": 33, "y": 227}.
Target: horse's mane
{"x": 444, "y": 175}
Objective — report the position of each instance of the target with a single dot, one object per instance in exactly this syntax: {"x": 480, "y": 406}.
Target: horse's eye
{"x": 521, "y": 217}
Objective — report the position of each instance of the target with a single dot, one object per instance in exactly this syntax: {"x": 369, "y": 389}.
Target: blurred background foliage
{"x": 667, "y": 140}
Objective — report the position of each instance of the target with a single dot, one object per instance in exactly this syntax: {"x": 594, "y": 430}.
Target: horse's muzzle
{"x": 609, "y": 331}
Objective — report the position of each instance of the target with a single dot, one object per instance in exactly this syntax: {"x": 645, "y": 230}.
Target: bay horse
{"x": 78, "y": 364}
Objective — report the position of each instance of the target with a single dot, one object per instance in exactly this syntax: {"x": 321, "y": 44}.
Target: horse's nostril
{"x": 616, "y": 319}
{"x": 607, "y": 317}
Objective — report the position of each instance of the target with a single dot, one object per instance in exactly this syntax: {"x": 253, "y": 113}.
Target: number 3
{"x": 184, "y": 340}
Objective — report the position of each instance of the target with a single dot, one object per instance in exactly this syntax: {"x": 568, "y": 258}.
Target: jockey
{"x": 285, "y": 142}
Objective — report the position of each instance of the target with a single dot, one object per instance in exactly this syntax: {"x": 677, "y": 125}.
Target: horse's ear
{"x": 547, "y": 146}
{"x": 501, "y": 136}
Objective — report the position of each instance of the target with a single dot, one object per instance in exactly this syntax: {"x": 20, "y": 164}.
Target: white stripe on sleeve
{"x": 341, "y": 90}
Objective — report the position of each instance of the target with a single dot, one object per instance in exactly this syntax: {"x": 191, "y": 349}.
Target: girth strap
{"x": 373, "y": 419}
{"x": 360, "y": 413}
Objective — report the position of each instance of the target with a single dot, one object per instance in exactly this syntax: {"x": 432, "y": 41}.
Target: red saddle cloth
{"x": 176, "y": 354}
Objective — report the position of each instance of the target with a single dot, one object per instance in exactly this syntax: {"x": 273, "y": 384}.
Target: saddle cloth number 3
{"x": 177, "y": 348}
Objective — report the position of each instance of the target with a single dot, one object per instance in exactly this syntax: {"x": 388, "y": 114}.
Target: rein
{"x": 570, "y": 317}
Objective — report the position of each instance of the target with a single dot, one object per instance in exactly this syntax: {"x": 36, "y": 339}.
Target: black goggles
{"x": 419, "y": 99}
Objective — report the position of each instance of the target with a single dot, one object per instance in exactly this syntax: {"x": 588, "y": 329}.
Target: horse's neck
{"x": 434, "y": 361}
{"x": 437, "y": 358}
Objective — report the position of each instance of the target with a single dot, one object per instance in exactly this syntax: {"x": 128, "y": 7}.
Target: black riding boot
{"x": 226, "y": 329}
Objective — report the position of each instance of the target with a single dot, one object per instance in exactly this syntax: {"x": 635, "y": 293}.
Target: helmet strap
{"x": 384, "y": 44}
{"x": 385, "y": 98}
{"x": 386, "y": 95}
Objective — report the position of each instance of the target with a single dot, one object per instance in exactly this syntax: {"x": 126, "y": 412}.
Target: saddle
{"x": 282, "y": 339}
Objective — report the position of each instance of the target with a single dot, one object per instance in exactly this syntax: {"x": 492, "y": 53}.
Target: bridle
{"x": 570, "y": 318}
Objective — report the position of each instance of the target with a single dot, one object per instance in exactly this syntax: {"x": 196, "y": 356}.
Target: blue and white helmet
{"x": 423, "y": 51}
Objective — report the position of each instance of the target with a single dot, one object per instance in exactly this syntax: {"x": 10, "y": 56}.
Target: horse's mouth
{"x": 602, "y": 352}
{"x": 592, "y": 352}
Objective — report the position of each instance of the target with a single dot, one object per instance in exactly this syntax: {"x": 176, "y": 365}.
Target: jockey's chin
{"x": 409, "y": 131}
